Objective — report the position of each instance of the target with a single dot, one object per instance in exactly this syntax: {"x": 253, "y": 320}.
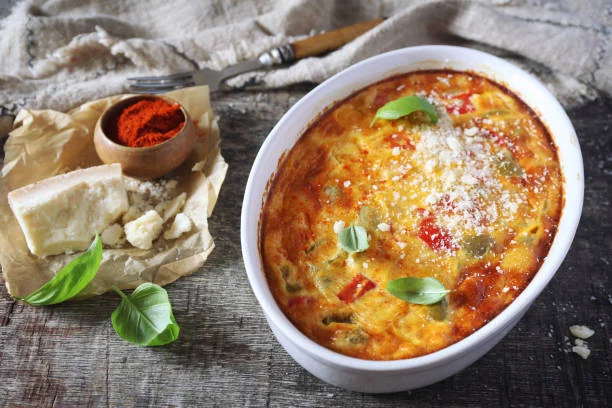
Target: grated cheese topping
{"x": 461, "y": 178}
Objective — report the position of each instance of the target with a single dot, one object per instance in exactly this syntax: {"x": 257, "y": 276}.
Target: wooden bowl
{"x": 148, "y": 162}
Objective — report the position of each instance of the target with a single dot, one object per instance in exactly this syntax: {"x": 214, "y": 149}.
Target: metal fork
{"x": 284, "y": 54}
{"x": 214, "y": 79}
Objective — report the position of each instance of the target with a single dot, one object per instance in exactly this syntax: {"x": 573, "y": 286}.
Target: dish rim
{"x": 571, "y": 209}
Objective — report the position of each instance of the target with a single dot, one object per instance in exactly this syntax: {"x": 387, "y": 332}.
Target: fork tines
{"x": 159, "y": 84}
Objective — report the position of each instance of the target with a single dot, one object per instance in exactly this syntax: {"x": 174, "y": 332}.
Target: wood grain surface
{"x": 226, "y": 356}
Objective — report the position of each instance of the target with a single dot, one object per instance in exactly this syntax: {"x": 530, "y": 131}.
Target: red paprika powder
{"x": 148, "y": 122}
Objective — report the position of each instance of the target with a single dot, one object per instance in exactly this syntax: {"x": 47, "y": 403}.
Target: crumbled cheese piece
{"x": 581, "y": 332}
{"x": 151, "y": 190}
{"x": 468, "y": 179}
{"x": 395, "y": 151}
{"x": 473, "y": 131}
{"x": 454, "y": 144}
{"x": 144, "y": 230}
{"x": 582, "y": 350}
{"x": 430, "y": 165}
{"x": 170, "y": 208}
{"x": 338, "y": 226}
{"x": 181, "y": 225}
{"x": 365, "y": 265}
{"x": 148, "y": 195}
{"x": 384, "y": 227}
{"x": 402, "y": 245}
{"x": 113, "y": 236}
{"x": 505, "y": 289}
{"x": 347, "y": 183}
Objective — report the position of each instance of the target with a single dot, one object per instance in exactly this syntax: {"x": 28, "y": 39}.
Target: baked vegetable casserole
{"x": 410, "y": 214}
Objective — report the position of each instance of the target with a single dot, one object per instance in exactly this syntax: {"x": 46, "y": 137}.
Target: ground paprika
{"x": 148, "y": 122}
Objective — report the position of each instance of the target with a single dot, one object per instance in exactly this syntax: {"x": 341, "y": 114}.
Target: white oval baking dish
{"x": 390, "y": 376}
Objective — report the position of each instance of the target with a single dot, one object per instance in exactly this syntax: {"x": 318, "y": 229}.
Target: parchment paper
{"x": 45, "y": 143}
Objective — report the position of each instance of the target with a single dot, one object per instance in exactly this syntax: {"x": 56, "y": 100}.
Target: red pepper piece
{"x": 436, "y": 237}
{"x": 355, "y": 289}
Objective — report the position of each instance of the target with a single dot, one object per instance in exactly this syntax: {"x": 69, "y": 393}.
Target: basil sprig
{"x": 354, "y": 239}
{"x": 71, "y": 280}
{"x": 405, "y": 106}
{"x": 145, "y": 317}
{"x": 421, "y": 291}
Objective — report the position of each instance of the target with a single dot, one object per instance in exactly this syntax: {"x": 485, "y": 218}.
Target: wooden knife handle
{"x": 332, "y": 40}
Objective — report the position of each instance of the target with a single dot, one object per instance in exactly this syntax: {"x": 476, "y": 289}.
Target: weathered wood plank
{"x": 69, "y": 355}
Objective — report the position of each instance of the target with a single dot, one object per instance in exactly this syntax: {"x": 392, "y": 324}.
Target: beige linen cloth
{"x": 60, "y": 53}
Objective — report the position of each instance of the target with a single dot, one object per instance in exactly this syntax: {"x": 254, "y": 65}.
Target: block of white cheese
{"x": 63, "y": 213}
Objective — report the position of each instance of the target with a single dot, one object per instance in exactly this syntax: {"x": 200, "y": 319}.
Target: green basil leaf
{"x": 425, "y": 291}
{"x": 71, "y": 280}
{"x": 145, "y": 317}
{"x": 354, "y": 239}
{"x": 405, "y": 106}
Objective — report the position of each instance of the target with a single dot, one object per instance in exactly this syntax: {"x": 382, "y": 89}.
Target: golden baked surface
{"x": 473, "y": 201}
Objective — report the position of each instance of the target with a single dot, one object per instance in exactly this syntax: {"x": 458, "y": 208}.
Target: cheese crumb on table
{"x": 144, "y": 230}
{"x": 582, "y": 332}
{"x": 581, "y": 347}
{"x": 180, "y": 226}
{"x": 582, "y": 350}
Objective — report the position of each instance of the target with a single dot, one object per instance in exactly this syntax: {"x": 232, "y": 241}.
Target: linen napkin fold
{"x": 57, "y": 54}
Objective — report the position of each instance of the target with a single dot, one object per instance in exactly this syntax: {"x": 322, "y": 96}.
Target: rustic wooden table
{"x": 69, "y": 355}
